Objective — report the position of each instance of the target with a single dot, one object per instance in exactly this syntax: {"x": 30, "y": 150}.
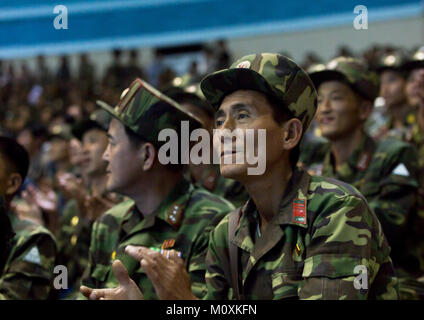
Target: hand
{"x": 168, "y": 276}
{"x": 46, "y": 200}
{"x": 71, "y": 186}
{"x": 27, "y": 210}
{"x": 127, "y": 289}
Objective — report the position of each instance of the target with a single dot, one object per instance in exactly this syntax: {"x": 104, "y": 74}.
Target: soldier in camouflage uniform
{"x": 165, "y": 211}
{"x": 298, "y": 236}
{"x": 207, "y": 175}
{"x": 28, "y": 272}
{"x": 6, "y": 234}
{"x": 384, "y": 172}
{"x": 73, "y": 236}
{"x": 398, "y": 116}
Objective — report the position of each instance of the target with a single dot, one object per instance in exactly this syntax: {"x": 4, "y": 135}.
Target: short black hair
{"x": 15, "y": 155}
{"x": 137, "y": 140}
{"x": 282, "y": 114}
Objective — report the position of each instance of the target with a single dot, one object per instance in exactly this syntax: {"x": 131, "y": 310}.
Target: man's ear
{"x": 365, "y": 109}
{"x": 292, "y": 132}
{"x": 13, "y": 183}
{"x": 148, "y": 154}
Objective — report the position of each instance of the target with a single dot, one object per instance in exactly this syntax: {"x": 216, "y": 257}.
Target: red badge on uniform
{"x": 299, "y": 211}
{"x": 168, "y": 244}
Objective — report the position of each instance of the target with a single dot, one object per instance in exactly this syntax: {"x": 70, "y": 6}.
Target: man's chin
{"x": 233, "y": 171}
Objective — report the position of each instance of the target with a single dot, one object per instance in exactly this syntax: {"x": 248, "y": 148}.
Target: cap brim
{"x": 411, "y": 65}
{"x": 319, "y": 77}
{"x": 222, "y": 83}
{"x": 108, "y": 108}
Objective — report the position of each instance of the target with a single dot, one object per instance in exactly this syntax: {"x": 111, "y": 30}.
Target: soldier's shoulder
{"x": 27, "y": 229}
{"x": 393, "y": 148}
{"x": 206, "y": 199}
{"x": 329, "y": 187}
{"x": 119, "y": 210}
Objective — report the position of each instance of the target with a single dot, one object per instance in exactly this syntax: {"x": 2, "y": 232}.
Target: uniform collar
{"x": 358, "y": 161}
{"x": 176, "y": 201}
{"x": 293, "y": 211}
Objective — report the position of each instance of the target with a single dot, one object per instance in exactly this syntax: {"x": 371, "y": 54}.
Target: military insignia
{"x": 74, "y": 221}
{"x": 364, "y": 161}
{"x": 168, "y": 244}
{"x": 33, "y": 256}
{"x": 113, "y": 255}
{"x": 244, "y": 65}
{"x": 297, "y": 249}
{"x": 175, "y": 214}
{"x": 299, "y": 211}
{"x": 74, "y": 239}
{"x": 401, "y": 170}
{"x": 410, "y": 119}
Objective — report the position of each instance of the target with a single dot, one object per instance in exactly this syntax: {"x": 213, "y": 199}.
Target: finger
{"x": 137, "y": 252}
{"x": 176, "y": 257}
{"x": 121, "y": 273}
{"x": 86, "y": 291}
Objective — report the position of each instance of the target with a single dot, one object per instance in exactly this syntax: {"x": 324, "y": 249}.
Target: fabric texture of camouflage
{"x": 272, "y": 74}
{"x": 315, "y": 257}
{"x": 73, "y": 242}
{"x": 6, "y": 234}
{"x": 182, "y": 222}
{"x": 146, "y": 111}
{"x": 351, "y": 71}
{"x": 28, "y": 273}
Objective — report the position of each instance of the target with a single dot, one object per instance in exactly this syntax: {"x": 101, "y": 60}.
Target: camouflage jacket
{"x": 309, "y": 250}
{"x": 6, "y": 234}
{"x": 28, "y": 273}
{"x": 182, "y": 222}
{"x": 386, "y": 174}
{"x": 73, "y": 242}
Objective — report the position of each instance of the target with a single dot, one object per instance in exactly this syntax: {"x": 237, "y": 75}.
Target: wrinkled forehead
{"x": 250, "y": 98}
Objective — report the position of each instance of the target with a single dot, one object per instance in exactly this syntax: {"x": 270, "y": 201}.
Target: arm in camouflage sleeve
{"x": 29, "y": 271}
{"x": 343, "y": 237}
{"x": 87, "y": 278}
{"x": 396, "y": 197}
{"x": 216, "y": 262}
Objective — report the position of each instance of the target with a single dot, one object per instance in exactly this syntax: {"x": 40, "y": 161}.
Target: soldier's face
{"x": 339, "y": 112}
{"x": 123, "y": 168}
{"x": 414, "y": 86}
{"x": 94, "y": 143}
{"x": 392, "y": 88}
{"x": 247, "y": 109}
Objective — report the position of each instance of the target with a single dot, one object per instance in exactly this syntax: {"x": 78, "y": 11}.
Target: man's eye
{"x": 243, "y": 116}
{"x": 219, "y": 123}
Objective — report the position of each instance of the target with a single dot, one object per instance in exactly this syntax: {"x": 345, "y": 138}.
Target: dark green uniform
{"x": 182, "y": 222}
{"x": 311, "y": 258}
{"x": 28, "y": 273}
{"x": 73, "y": 242}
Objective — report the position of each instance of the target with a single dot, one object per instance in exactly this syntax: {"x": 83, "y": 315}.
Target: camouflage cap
{"x": 392, "y": 61}
{"x": 61, "y": 131}
{"x": 146, "y": 111}
{"x": 351, "y": 71}
{"x": 272, "y": 74}
{"x": 99, "y": 119}
{"x": 416, "y": 61}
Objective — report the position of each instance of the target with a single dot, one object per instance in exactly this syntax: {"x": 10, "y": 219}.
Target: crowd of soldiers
{"x": 342, "y": 189}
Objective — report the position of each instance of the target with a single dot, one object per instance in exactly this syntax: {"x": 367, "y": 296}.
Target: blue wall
{"x": 27, "y": 29}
